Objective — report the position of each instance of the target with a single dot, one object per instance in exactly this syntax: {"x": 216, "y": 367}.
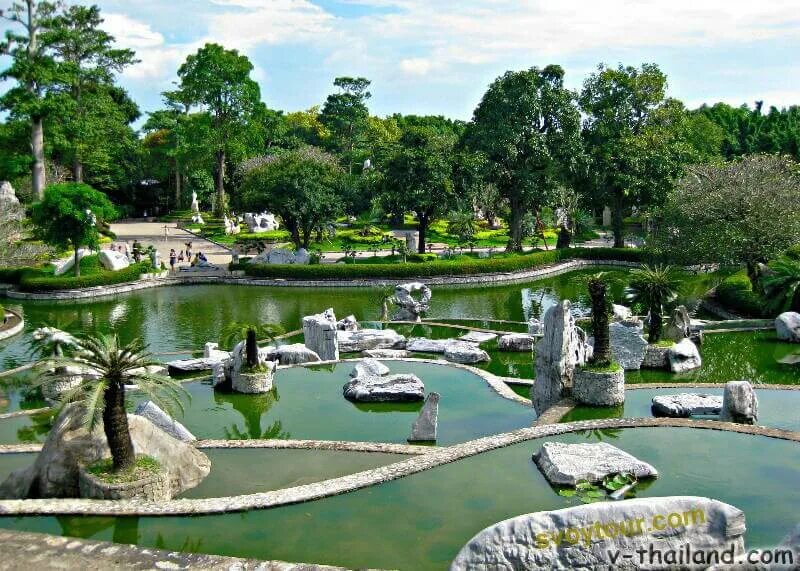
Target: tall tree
{"x": 631, "y": 157}
{"x": 86, "y": 63}
{"x": 32, "y": 68}
{"x": 218, "y": 80}
{"x": 418, "y": 177}
{"x": 345, "y": 114}
{"x": 528, "y": 128}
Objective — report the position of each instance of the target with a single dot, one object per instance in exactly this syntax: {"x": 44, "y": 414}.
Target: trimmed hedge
{"x": 440, "y": 268}
{"x": 736, "y": 293}
{"x": 35, "y": 281}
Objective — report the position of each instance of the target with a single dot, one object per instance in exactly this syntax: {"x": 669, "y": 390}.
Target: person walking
{"x": 173, "y": 257}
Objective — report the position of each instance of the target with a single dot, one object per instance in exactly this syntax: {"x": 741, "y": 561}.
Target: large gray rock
{"x": 282, "y": 256}
{"x": 349, "y": 323}
{"x": 211, "y": 350}
{"x": 520, "y": 342}
{"x": 621, "y": 313}
{"x": 599, "y": 388}
{"x": 563, "y": 346}
{"x": 477, "y": 337}
{"x": 683, "y": 357}
{"x": 113, "y": 260}
{"x": 535, "y": 327}
{"x": 656, "y": 357}
{"x": 319, "y": 332}
{"x": 679, "y": 325}
{"x": 739, "y": 403}
{"x": 295, "y": 354}
{"x": 787, "y": 326}
{"x": 366, "y": 339}
{"x": 369, "y": 367}
{"x": 8, "y": 198}
{"x": 684, "y": 405}
{"x": 628, "y": 346}
{"x": 566, "y": 464}
{"x": 409, "y": 308}
{"x": 386, "y": 353}
{"x": 152, "y": 412}
{"x": 54, "y": 473}
{"x": 189, "y": 366}
{"x": 425, "y": 345}
{"x": 389, "y": 388}
{"x": 426, "y": 426}
{"x": 580, "y": 537}
{"x": 465, "y": 353}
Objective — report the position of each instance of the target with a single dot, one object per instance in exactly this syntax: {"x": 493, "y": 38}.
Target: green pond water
{"x": 421, "y": 521}
{"x": 307, "y": 403}
{"x": 776, "y": 408}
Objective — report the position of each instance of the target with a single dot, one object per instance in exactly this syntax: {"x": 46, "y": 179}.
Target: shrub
{"x": 39, "y": 281}
{"x": 736, "y": 293}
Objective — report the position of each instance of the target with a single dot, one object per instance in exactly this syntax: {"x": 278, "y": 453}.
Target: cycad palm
{"x": 653, "y": 287}
{"x": 782, "y": 285}
{"x": 234, "y": 332}
{"x": 102, "y": 395}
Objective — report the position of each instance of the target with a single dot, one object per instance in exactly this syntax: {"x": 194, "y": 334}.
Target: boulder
{"x": 424, "y": 345}
{"x": 389, "y": 388}
{"x": 628, "y": 346}
{"x": 113, "y": 260}
{"x": 7, "y": 195}
{"x": 425, "y": 427}
{"x": 478, "y": 337}
{"x": 319, "y": 332}
{"x": 282, "y": 256}
{"x": 349, "y": 323}
{"x": 302, "y": 256}
{"x": 190, "y": 366}
{"x": 599, "y": 388}
{"x": 739, "y": 403}
{"x": 294, "y": 354}
{"x": 410, "y": 309}
{"x": 684, "y": 405}
{"x": 54, "y": 473}
{"x": 679, "y": 325}
{"x": 655, "y": 357}
{"x": 787, "y": 326}
{"x": 584, "y": 537}
{"x": 683, "y": 357}
{"x": 367, "y": 339}
{"x": 465, "y": 353}
{"x": 386, "y": 353}
{"x": 621, "y": 313}
{"x": 152, "y": 412}
{"x": 535, "y": 327}
{"x": 369, "y": 367}
{"x": 211, "y": 351}
{"x": 567, "y": 464}
{"x": 65, "y": 265}
{"x": 520, "y": 342}
{"x": 563, "y": 346}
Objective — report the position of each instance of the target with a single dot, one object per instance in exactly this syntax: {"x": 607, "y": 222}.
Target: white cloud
{"x": 417, "y": 66}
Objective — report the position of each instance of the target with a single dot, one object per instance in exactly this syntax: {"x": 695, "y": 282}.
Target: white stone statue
{"x": 7, "y": 194}
{"x": 367, "y": 165}
{"x": 195, "y": 204}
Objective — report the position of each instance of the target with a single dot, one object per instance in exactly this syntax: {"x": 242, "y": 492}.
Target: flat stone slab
{"x": 465, "y": 353}
{"x": 369, "y": 367}
{"x": 386, "y": 353}
{"x": 184, "y": 366}
{"x": 684, "y": 405}
{"x": 425, "y": 428}
{"x": 425, "y": 345}
{"x": 390, "y": 388}
{"x": 520, "y": 342}
{"x": 588, "y": 536}
{"x": 566, "y": 464}
{"x": 478, "y": 337}
{"x": 368, "y": 339}
{"x": 152, "y": 412}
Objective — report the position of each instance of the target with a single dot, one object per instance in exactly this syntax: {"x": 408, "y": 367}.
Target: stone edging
{"x": 344, "y": 484}
{"x": 14, "y": 325}
{"x": 668, "y": 385}
{"x": 25, "y": 412}
{"x": 335, "y": 445}
{"x": 476, "y": 279}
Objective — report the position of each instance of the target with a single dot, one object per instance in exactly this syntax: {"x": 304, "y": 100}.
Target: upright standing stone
{"x": 562, "y": 347}
{"x": 606, "y": 216}
{"x": 425, "y": 427}
{"x": 679, "y": 326}
{"x": 627, "y": 344}
{"x": 7, "y": 195}
{"x": 739, "y": 403}
{"x": 319, "y": 332}
{"x": 411, "y": 242}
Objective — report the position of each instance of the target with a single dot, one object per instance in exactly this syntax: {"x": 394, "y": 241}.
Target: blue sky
{"x": 437, "y": 57}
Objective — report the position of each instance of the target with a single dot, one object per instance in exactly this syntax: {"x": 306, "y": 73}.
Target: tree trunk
{"x": 564, "y": 238}
{"x": 306, "y": 238}
{"x": 77, "y": 170}
{"x": 115, "y": 425}
{"x": 515, "y": 227}
{"x": 385, "y": 310}
{"x": 178, "y": 181}
{"x": 38, "y": 174}
{"x": 617, "y": 224}
{"x": 251, "y": 348}
{"x": 656, "y": 325}
{"x": 219, "y": 184}
{"x": 422, "y": 227}
{"x": 602, "y": 342}
{"x": 77, "y": 262}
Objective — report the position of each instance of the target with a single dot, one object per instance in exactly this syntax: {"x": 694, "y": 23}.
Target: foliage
{"x": 736, "y": 293}
{"x": 103, "y": 398}
{"x": 743, "y": 212}
{"x": 462, "y": 224}
{"x": 237, "y": 331}
{"x": 782, "y": 285}
{"x": 653, "y": 287}
{"x": 588, "y": 493}
{"x": 15, "y": 247}
{"x": 346, "y": 117}
{"x": 35, "y": 280}
{"x": 528, "y": 128}
{"x": 301, "y": 186}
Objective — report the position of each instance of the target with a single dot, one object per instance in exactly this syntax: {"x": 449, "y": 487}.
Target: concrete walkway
{"x": 167, "y": 235}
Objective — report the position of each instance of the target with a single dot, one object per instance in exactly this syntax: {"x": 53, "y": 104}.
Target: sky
{"x": 439, "y": 56}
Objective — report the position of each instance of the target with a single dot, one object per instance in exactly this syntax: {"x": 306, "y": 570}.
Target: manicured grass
{"x": 144, "y": 467}
{"x": 612, "y": 367}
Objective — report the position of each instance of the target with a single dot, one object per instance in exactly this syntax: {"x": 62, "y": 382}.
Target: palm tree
{"x": 600, "y": 313}
{"x": 52, "y": 342}
{"x": 782, "y": 285}
{"x": 652, "y": 287}
{"x": 102, "y": 395}
{"x": 234, "y": 332}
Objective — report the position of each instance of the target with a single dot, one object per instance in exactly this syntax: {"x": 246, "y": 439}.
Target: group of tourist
{"x": 199, "y": 259}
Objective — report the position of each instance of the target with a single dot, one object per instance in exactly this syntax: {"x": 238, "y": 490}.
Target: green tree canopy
{"x": 345, "y": 115}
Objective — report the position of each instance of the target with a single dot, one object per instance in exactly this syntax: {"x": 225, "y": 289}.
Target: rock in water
{"x": 54, "y": 473}
{"x": 391, "y": 388}
{"x": 477, "y": 337}
{"x": 152, "y": 412}
{"x": 187, "y": 366}
{"x": 555, "y": 540}
{"x": 349, "y": 323}
{"x": 534, "y": 326}
{"x": 520, "y": 342}
{"x": 366, "y": 339}
{"x": 425, "y": 427}
{"x": 679, "y": 326}
{"x": 599, "y": 388}
{"x": 295, "y": 354}
{"x": 386, "y": 353}
{"x": 566, "y": 464}
{"x": 656, "y": 357}
{"x": 683, "y": 357}
{"x": 424, "y": 345}
{"x": 739, "y": 403}
{"x": 684, "y": 405}
{"x": 410, "y": 309}
{"x": 211, "y": 350}
{"x": 787, "y": 326}
{"x": 562, "y": 347}
{"x": 319, "y": 333}
{"x": 465, "y": 353}
{"x": 628, "y": 346}
{"x": 369, "y": 367}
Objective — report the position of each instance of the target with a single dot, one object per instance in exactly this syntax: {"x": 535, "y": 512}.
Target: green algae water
{"x": 420, "y": 522}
